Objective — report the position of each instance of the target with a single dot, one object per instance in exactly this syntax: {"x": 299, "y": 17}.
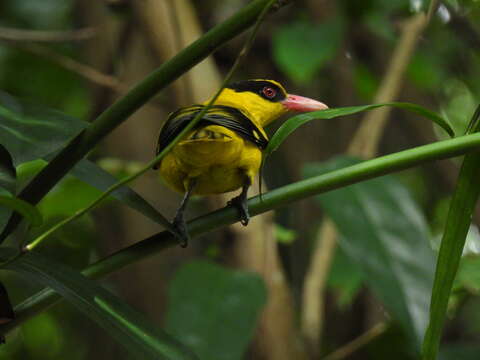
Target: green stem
{"x": 79, "y": 147}
{"x": 271, "y": 200}
{"x": 462, "y": 207}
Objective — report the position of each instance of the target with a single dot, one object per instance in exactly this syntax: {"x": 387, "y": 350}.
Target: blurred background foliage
{"x": 336, "y": 51}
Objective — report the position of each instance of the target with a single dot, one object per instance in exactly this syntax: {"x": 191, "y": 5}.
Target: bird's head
{"x": 265, "y": 100}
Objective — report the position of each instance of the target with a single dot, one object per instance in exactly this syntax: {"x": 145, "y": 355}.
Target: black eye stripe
{"x": 257, "y": 87}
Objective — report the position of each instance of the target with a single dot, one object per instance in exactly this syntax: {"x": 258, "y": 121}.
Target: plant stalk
{"x": 276, "y": 198}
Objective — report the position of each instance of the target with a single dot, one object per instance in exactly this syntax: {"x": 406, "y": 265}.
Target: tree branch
{"x": 12, "y": 34}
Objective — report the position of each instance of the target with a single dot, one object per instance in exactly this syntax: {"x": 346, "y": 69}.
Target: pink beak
{"x": 302, "y": 104}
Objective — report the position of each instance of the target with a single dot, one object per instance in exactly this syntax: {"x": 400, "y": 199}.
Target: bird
{"x": 223, "y": 152}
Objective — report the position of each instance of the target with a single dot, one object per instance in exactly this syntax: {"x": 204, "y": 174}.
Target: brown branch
{"x": 179, "y": 43}
{"x": 68, "y": 63}
{"x": 357, "y": 343}
{"x": 366, "y": 140}
{"x": 12, "y": 34}
{"x": 315, "y": 281}
{"x": 161, "y": 29}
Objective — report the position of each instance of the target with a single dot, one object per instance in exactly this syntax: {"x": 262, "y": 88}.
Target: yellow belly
{"x": 218, "y": 164}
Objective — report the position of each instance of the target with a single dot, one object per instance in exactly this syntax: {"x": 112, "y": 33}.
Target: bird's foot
{"x": 240, "y": 202}
{"x": 181, "y": 232}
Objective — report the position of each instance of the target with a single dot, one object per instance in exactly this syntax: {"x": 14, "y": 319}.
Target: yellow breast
{"x": 215, "y": 156}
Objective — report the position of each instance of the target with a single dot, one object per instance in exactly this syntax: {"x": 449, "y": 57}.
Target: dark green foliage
{"x": 31, "y": 132}
{"x": 123, "y": 323}
{"x": 213, "y": 310}
{"x": 302, "y": 48}
{"x": 380, "y": 226}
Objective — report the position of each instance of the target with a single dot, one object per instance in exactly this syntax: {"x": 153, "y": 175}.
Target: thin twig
{"x": 13, "y": 34}
{"x": 432, "y": 9}
{"x": 88, "y": 72}
{"x": 179, "y": 43}
{"x": 315, "y": 281}
{"x": 357, "y": 343}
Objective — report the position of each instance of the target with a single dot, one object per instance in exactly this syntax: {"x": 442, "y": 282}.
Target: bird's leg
{"x": 179, "y": 220}
{"x": 240, "y": 202}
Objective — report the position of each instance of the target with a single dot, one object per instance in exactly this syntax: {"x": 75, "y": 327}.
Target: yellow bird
{"x": 224, "y": 151}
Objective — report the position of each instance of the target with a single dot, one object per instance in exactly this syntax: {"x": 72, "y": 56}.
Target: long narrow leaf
{"x": 94, "y": 175}
{"x": 293, "y": 123}
{"x": 30, "y": 132}
{"x": 462, "y": 206}
{"x": 124, "y": 324}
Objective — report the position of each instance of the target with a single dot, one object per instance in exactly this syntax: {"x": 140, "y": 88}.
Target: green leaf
{"x": 468, "y": 276}
{"x": 295, "y": 122}
{"x": 7, "y": 172}
{"x": 300, "y": 49}
{"x": 458, "y": 222}
{"x": 24, "y": 208}
{"x": 30, "y": 132}
{"x": 386, "y": 235}
{"x": 214, "y": 309}
{"x": 94, "y": 175}
{"x": 460, "y": 105}
{"x": 127, "y": 326}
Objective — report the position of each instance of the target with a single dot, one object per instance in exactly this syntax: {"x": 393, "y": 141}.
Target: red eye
{"x": 269, "y": 92}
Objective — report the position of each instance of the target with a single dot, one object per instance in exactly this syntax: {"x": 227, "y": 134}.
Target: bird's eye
{"x": 269, "y": 92}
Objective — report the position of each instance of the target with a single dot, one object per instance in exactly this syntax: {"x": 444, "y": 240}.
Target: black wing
{"x": 226, "y": 116}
